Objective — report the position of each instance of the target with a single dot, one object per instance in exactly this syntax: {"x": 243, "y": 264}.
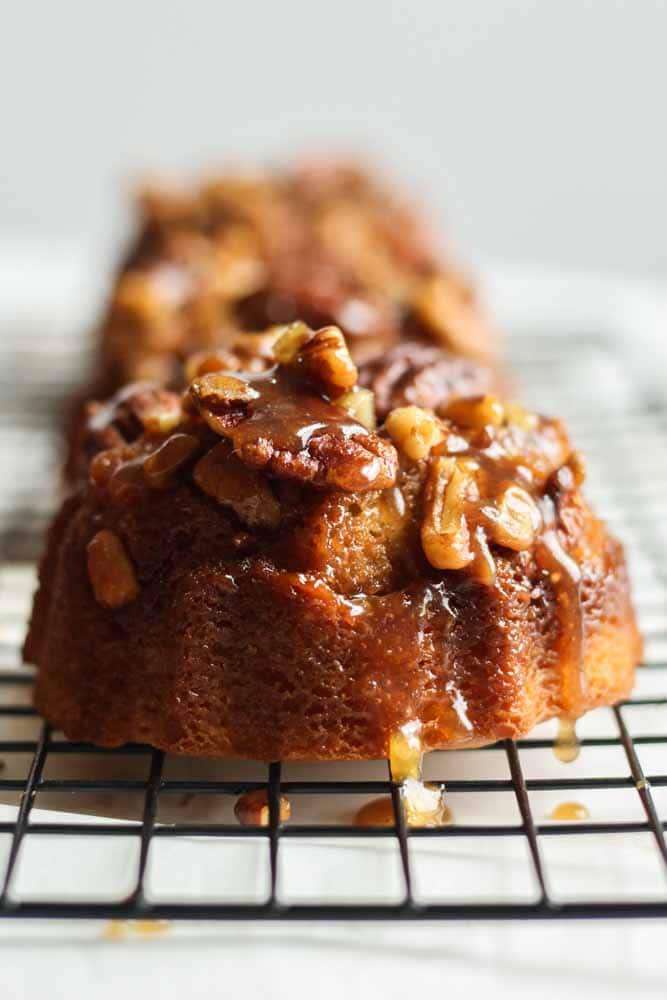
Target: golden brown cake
{"x": 255, "y": 569}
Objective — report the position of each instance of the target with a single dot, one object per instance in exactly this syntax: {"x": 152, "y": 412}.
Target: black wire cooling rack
{"x": 608, "y": 415}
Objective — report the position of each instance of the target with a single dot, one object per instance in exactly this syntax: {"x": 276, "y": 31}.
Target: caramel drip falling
{"x": 423, "y": 804}
{"x": 565, "y": 578}
{"x": 566, "y": 744}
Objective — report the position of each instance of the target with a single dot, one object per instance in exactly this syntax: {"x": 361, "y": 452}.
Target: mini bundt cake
{"x": 324, "y": 243}
{"x": 254, "y": 568}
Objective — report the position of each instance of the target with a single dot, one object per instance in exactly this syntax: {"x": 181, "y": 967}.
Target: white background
{"x": 539, "y": 127}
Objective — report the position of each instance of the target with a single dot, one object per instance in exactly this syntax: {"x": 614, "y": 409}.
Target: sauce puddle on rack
{"x": 569, "y": 812}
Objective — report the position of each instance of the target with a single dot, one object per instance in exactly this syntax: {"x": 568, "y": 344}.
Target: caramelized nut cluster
{"x": 490, "y": 492}
{"x": 284, "y": 422}
{"x": 482, "y": 465}
{"x": 486, "y": 467}
{"x": 305, "y": 419}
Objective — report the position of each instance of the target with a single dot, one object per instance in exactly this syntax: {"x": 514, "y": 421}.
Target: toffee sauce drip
{"x": 565, "y": 577}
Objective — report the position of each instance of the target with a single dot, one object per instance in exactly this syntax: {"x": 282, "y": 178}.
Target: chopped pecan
{"x": 360, "y": 404}
{"x": 222, "y": 400}
{"x": 353, "y": 464}
{"x": 321, "y": 358}
{"x": 514, "y": 519}
{"x": 476, "y": 412}
{"x": 445, "y": 533}
{"x": 110, "y": 571}
{"x": 222, "y": 476}
{"x": 414, "y": 431}
{"x": 157, "y": 410}
{"x": 136, "y": 408}
{"x": 446, "y": 307}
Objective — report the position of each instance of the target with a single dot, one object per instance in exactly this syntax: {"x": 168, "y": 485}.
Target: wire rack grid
{"x": 608, "y": 414}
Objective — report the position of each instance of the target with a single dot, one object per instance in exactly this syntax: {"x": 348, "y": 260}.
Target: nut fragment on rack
{"x": 476, "y": 411}
{"x": 221, "y": 475}
{"x": 414, "y": 431}
{"x": 360, "y": 404}
{"x": 252, "y": 808}
{"x": 110, "y": 571}
{"x": 221, "y": 399}
{"x": 162, "y": 464}
{"x": 445, "y": 534}
{"x": 514, "y": 519}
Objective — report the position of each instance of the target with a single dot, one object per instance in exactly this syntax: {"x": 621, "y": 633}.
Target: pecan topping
{"x": 476, "y": 412}
{"x": 136, "y": 408}
{"x": 414, "y": 431}
{"x": 110, "y": 571}
{"x": 445, "y": 533}
{"x": 515, "y": 520}
{"x": 321, "y": 358}
{"x": 222, "y": 476}
{"x": 351, "y": 463}
{"x": 360, "y": 404}
{"x": 222, "y": 400}
{"x": 277, "y": 423}
{"x": 485, "y": 482}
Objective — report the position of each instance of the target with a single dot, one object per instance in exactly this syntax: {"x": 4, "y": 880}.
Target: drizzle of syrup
{"x": 287, "y": 414}
{"x": 565, "y": 577}
{"x": 423, "y": 803}
{"x": 566, "y": 744}
{"x": 406, "y": 753}
{"x": 424, "y": 806}
{"x": 569, "y": 812}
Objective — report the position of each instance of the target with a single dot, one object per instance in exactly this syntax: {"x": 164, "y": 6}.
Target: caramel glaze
{"x": 288, "y": 415}
{"x": 566, "y": 744}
